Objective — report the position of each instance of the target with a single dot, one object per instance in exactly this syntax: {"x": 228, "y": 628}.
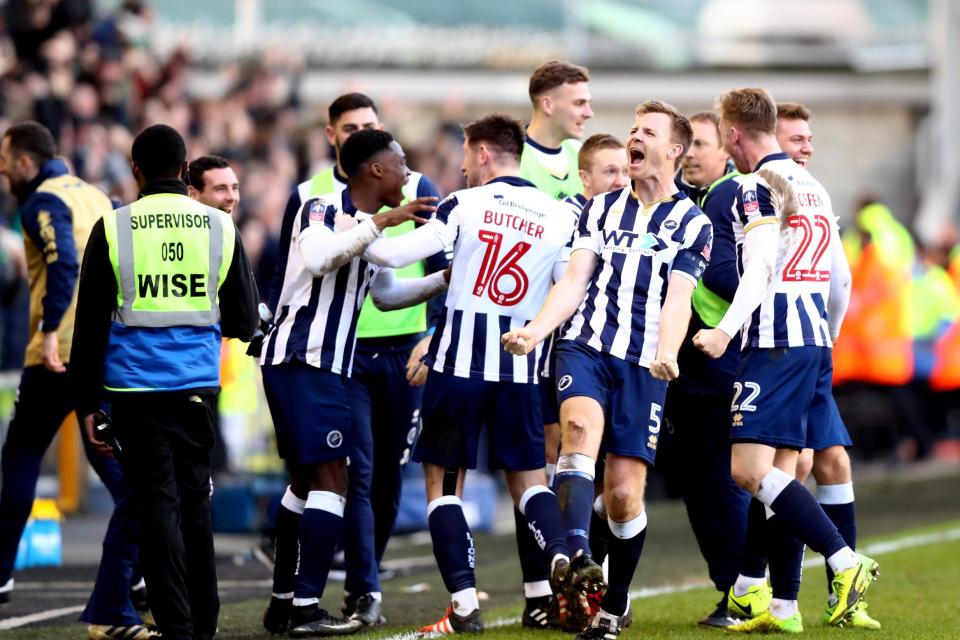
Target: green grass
{"x": 917, "y": 597}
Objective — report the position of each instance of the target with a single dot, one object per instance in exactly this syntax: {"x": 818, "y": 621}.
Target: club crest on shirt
{"x": 318, "y": 210}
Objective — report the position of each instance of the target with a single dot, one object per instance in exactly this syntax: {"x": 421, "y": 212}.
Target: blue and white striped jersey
{"x": 794, "y": 312}
{"x": 316, "y": 318}
{"x": 639, "y": 246}
{"x": 322, "y": 184}
{"x": 508, "y": 238}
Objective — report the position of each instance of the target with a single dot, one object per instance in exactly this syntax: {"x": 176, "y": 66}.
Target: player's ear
{"x": 546, "y": 104}
{"x": 376, "y": 170}
{"x": 676, "y": 150}
{"x": 331, "y": 135}
{"x": 584, "y": 178}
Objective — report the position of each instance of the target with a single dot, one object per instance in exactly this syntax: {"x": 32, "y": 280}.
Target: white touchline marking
{"x": 874, "y": 549}
{"x": 13, "y": 623}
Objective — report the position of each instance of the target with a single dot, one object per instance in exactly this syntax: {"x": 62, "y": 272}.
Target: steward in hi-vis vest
{"x": 162, "y": 280}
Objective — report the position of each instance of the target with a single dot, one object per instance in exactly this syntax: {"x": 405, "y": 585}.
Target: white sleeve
{"x": 840, "y": 284}
{"x": 759, "y": 257}
{"x": 323, "y": 251}
{"x": 389, "y": 292}
{"x": 408, "y": 248}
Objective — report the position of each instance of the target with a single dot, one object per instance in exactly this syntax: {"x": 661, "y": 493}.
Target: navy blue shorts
{"x": 549, "y": 404}
{"x": 631, "y": 398}
{"x": 825, "y": 427}
{"x": 455, "y": 410}
{"x": 778, "y": 392}
{"x": 310, "y": 412}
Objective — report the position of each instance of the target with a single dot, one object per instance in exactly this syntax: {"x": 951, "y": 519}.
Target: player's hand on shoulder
{"x": 409, "y": 211}
{"x": 519, "y": 342}
{"x": 712, "y": 342}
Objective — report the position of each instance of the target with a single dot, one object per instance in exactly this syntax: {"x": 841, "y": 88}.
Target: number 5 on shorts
{"x": 655, "y": 417}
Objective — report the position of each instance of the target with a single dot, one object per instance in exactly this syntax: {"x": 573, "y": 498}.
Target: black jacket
{"x": 97, "y": 300}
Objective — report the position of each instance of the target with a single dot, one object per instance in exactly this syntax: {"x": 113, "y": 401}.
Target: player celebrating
{"x": 787, "y": 235}
{"x": 389, "y": 343}
{"x": 308, "y": 354}
{"x": 510, "y": 240}
{"x": 827, "y": 439}
{"x": 636, "y": 260}
{"x": 603, "y": 168}
{"x": 561, "y": 108}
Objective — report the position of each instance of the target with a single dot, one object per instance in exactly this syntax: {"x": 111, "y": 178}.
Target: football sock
{"x": 743, "y": 584}
{"x": 320, "y": 528}
{"x": 599, "y": 531}
{"x": 838, "y": 503}
{"x": 755, "y": 543}
{"x": 452, "y": 544}
{"x": 786, "y": 561}
{"x": 539, "y": 506}
{"x": 797, "y": 507}
{"x": 626, "y": 545}
{"x": 575, "y": 473}
{"x": 783, "y": 609}
{"x": 287, "y": 546}
{"x": 465, "y": 601}
{"x": 534, "y": 564}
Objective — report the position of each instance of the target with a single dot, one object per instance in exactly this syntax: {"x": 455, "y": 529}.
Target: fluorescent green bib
{"x": 558, "y": 187}
{"x": 708, "y": 305}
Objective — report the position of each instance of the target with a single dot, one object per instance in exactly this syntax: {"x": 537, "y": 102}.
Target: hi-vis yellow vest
{"x": 709, "y": 306}
{"x": 558, "y": 187}
{"x": 373, "y": 322}
{"x": 170, "y": 255}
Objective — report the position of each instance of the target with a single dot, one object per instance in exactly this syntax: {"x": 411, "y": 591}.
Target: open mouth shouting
{"x": 636, "y": 156}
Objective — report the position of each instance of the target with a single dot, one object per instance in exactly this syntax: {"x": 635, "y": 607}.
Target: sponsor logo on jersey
{"x": 738, "y": 419}
{"x": 620, "y": 241}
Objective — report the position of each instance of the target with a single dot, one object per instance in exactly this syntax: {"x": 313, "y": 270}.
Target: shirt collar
{"x": 780, "y": 155}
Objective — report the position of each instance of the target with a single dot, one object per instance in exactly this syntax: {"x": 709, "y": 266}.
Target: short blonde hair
{"x": 592, "y": 145}
{"x": 680, "y": 130}
{"x": 752, "y": 108}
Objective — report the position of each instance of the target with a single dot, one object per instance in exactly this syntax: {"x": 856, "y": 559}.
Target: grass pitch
{"x": 916, "y": 598}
